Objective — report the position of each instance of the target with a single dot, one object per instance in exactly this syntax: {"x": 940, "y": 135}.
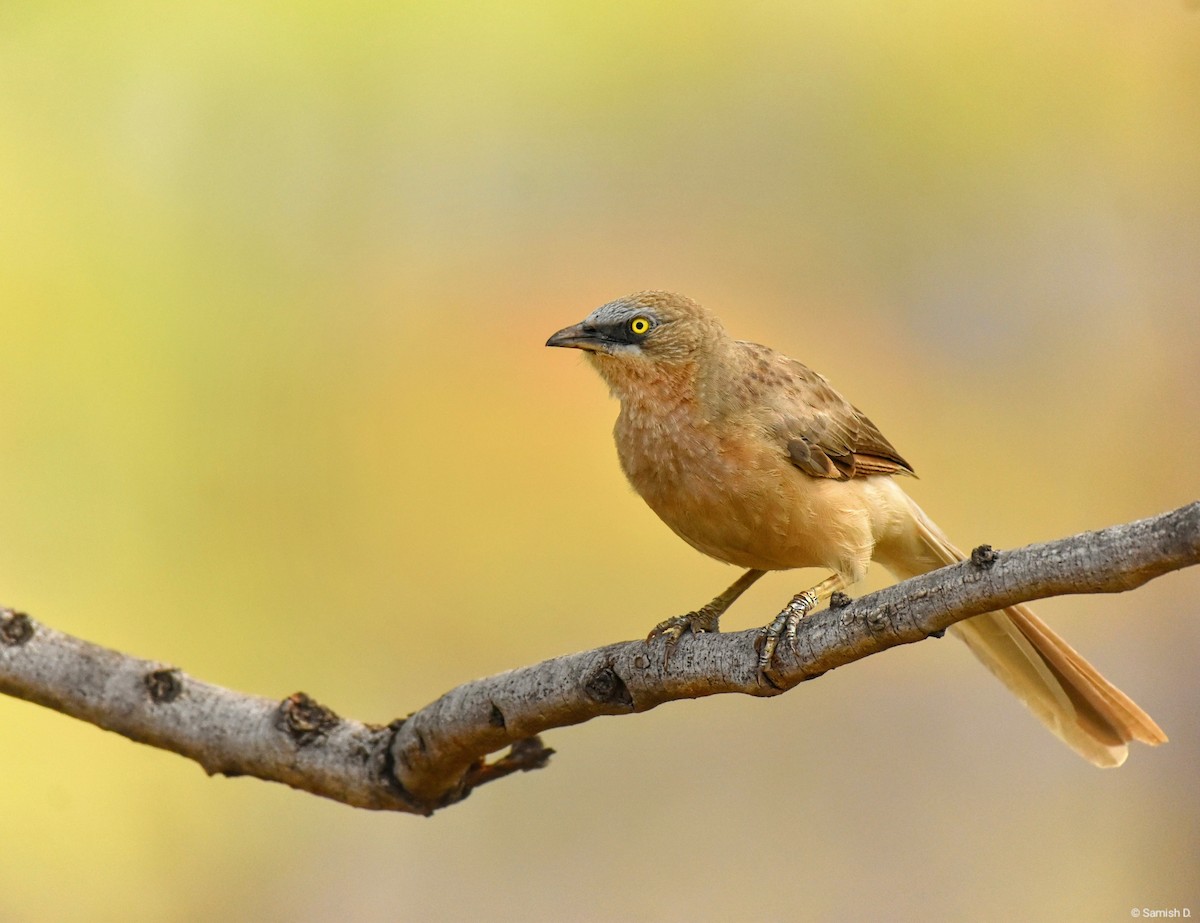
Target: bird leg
{"x": 785, "y": 624}
{"x": 703, "y": 619}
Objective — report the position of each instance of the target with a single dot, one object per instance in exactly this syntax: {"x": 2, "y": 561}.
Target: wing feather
{"x": 822, "y": 433}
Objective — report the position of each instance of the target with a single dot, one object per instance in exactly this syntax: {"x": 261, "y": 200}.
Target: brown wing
{"x": 823, "y": 434}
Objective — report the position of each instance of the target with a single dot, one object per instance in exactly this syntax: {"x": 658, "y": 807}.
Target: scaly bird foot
{"x": 783, "y": 625}
{"x": 702, "y": 620}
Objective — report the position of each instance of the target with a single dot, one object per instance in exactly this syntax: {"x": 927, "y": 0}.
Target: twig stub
{"x": 164, "y": 685}
{"x": 15, "y": 628}
{"x": 984, "y": 556}
{"x": 304, "y": 719}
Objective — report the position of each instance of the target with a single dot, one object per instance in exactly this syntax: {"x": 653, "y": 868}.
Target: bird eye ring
{"x": 639, "y": 326}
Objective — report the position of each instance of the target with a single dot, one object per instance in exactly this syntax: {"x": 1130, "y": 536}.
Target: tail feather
{"x": 1055, "y": 682}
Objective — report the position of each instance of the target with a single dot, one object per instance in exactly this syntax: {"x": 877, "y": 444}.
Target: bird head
{"x": 642, "y": 330}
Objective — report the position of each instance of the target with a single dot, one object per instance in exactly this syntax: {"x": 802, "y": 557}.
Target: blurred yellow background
{"x": 274, "y": 408}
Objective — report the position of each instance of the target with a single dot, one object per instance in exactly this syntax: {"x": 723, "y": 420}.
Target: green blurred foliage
{"x": 274, "y": 408}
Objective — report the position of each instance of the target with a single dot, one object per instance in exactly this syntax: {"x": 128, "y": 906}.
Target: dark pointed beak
{"x": 576, "y": 337}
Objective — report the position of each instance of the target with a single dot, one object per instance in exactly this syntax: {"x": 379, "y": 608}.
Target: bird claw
{"x": 696, "y": 623}
{"x": 782, "y": 626}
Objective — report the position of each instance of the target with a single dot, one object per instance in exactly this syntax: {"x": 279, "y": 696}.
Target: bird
{"x": 754, "y": 459}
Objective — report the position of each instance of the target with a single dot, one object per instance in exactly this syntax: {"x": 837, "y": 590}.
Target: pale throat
{"x": 663, "y": 434}
{"x": 698, "y": 384}
{"x": 646, "y": 386}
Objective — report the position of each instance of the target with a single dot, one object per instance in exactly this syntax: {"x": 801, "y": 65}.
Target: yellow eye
{"x": 639, "y": 326}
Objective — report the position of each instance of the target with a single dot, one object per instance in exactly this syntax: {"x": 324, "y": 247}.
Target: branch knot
{"x": 605, "y": 686}
{"x": 304, "y": 719}
{"x": 165, "y": 685}
{"x": 984, "y": 556}
{"x": 15, "y": 628}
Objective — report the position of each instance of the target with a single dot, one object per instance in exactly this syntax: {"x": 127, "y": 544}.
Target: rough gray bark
{"x": 436, "y": 756}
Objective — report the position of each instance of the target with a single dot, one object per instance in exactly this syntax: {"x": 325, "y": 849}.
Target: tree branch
{"x": 436, "y": 756}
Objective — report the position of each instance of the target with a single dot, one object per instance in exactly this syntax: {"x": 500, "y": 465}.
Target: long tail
{"x": 1068, "y": 694}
